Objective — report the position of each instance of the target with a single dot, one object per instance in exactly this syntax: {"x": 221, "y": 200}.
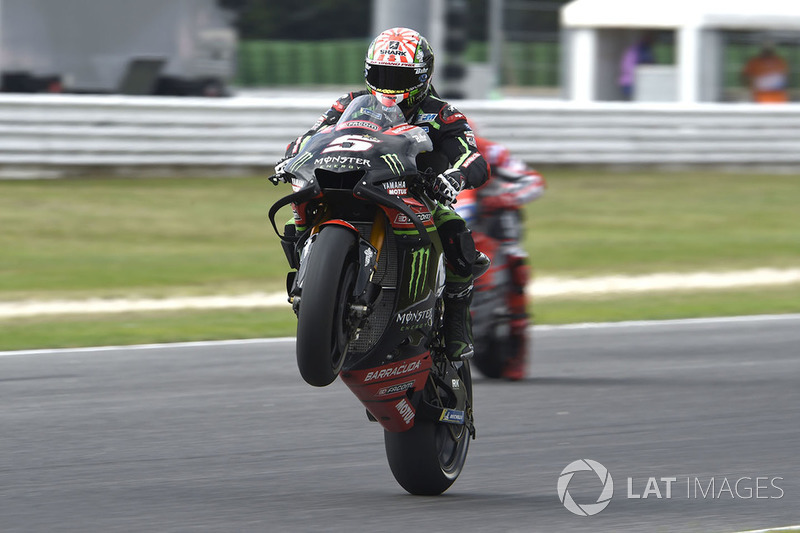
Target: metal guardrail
{"x": 69, "y": 130}
{"x": 62, "y": 131}
{"x": 644, "y": 134}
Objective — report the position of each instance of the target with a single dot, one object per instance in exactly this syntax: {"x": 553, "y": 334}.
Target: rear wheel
{"x": 427, "y": 459}
{"x": 488, "y": 358}
{"x": 495, "y": 351}
{"x": 501, "y": 348}
{"x": 323, "y": 326}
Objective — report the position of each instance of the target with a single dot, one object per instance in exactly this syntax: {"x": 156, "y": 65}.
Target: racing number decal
{"x": 350, "y": 143}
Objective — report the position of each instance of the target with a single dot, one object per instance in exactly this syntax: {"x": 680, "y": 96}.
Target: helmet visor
{"x": 395, "y": 79}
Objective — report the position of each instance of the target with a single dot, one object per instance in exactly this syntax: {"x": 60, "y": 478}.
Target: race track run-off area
{"x": 543, "y": 287}
{"x": 226, "y": 437}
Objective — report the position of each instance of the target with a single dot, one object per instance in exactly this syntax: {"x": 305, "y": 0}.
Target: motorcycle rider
{"x": 511, "y": 185}
{"x": 398, "y": 70}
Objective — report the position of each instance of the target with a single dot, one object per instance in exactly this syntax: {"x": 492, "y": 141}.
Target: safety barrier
{"x": 62, "y": 131}
{"x": 644, "y": 134}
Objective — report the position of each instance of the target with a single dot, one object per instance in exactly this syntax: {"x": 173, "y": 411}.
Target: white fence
{"x": 62, "y": 131}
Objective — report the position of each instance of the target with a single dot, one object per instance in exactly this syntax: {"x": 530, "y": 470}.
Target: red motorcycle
{"x": 500, "y": 318}
{"x": 366, "y": 284}
{"x": 499, "y": 306}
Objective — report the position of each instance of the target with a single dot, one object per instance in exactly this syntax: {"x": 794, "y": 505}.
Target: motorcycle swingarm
{"x": 445, "y": 415}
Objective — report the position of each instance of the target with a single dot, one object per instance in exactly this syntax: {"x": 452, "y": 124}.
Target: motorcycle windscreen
{"x": 368, "y": 109}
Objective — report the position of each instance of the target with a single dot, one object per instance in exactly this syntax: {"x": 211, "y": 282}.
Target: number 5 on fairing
{"x": 350, "y": 143}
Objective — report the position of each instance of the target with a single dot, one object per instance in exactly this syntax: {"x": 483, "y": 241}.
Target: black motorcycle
{"x": 366, "y": 284}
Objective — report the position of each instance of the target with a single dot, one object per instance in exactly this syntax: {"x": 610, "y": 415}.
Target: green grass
{"x": 122, "y": 237}
{"x": 608, "y": 223}
{"x": 141, "y": 328}
{"x": 668, "y": 305}
{"x": 178, "y": 236}
{"x": 137, "y": 328}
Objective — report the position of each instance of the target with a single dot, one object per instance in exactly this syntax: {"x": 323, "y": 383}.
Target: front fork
{"x": 365, "y": 293}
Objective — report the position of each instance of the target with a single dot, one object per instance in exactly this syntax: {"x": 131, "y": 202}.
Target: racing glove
{"x": 447, "y": 185}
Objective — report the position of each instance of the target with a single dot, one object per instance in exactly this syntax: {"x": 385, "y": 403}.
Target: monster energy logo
{"x": 393, "y": 161}
{"x": 300, "y": 161}
{"x": 419, "y": 270}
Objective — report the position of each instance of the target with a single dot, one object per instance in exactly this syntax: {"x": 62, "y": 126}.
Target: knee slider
{"x": 459, "y": 247}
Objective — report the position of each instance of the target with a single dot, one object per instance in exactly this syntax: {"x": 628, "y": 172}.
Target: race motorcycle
{"x": 499, "y": 306}
{"x": 500, "y": 322}
{"x": 366, "y": 284}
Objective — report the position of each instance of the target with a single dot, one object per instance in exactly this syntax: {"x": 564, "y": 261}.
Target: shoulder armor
{"x": 450, "y": 114}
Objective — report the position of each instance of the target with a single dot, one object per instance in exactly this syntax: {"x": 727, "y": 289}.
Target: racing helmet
{"x": 399, "y": 66}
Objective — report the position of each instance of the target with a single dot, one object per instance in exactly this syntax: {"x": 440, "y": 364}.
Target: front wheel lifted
{"x": 427, "y": 459}
{"x": 323, "y": 328}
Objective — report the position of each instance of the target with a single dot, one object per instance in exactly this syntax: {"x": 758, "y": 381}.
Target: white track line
{"x": 674, "y": 321}
{"x": 535, "y": 329}
{"x": 772, "y": 529}
{"x": 192, "y": 344}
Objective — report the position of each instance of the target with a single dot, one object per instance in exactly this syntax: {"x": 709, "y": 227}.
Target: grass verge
{"x": 144, "y": 328}
{"x": 137, "y": 328}
{"x": 591, "y": 224}
{"x": 148, "y": 237}
{"x": 665, "y": 306}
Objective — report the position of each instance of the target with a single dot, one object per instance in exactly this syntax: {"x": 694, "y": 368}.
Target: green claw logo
{"x": 419, "y": 270}
{"x": 394, "y": 163}
{"x": 300, "y": 161}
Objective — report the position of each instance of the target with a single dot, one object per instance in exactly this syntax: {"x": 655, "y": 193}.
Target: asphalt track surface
{"x": 226, "y": 437}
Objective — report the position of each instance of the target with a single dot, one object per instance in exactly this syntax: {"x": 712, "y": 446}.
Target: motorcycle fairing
{"x": 385, "y": 390}
{"x": 357, "y": 163}
{"x": 402, "y": 224}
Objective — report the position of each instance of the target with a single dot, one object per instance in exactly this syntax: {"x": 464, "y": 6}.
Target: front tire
{"x": 323, "y": 330}
{"x": 427, "y": 459}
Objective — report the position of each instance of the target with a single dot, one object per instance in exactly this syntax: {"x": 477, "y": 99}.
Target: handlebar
{"x": 428, "y": 177}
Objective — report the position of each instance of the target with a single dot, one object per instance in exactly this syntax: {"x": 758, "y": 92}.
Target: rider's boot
{"x": 457, "y": 320}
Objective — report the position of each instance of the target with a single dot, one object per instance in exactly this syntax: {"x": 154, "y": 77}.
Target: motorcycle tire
{"x": 322, "y": 319}
{"x": 493, "y": 352}
{"x": 488, "y": 358}
{"x": 428, "y": 458}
